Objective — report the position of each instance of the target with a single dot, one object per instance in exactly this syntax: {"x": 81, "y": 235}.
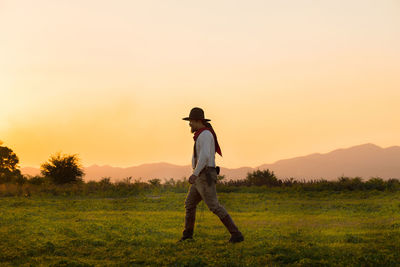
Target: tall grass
{"x": 265, "y": 181}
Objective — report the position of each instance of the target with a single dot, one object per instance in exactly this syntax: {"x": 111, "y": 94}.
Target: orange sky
{"x": 111, "y": 80}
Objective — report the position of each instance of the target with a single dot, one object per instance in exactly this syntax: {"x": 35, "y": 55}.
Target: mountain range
{"x": 367, "y": 160}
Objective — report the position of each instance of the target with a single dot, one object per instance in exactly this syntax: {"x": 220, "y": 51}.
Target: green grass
{"x": 293, "y": 228}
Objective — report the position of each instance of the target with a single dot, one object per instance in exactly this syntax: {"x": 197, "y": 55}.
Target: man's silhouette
{"x": 204, "y": 176}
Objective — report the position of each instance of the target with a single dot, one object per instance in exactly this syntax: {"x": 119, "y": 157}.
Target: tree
{"x": 155, "y": 182}
{"x": 9, "y": 169}
{"x": 265, "y": 177}
{"x": 62, "y": 169}
{"x": 220, "y": 178}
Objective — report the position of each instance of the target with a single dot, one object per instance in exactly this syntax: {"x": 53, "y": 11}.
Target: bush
{"x": 255, "y": 178}
{"x": 376, "y": 183}
{"x": 265, "y": 177}
{"x": 155, "y": 182}
{"x": 393, "y": 184}
{"x": 36, "y": 180}
{"x": 350, "y": 183}
{"x": 105, "y": 181}
{"x": 63, "y": 169}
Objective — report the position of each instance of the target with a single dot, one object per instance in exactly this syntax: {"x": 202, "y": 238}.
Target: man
{"x": 204, "y": 177}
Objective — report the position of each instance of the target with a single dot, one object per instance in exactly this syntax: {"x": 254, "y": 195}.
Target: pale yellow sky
{"x": 111, "y": 80}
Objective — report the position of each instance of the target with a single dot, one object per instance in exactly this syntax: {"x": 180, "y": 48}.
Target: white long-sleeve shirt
{"x": 205, "y": 148}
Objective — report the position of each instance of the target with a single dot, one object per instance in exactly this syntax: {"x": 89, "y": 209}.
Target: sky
{"x": 112, "y": 80}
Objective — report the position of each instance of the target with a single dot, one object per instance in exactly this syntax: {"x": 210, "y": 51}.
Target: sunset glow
{"x": 112, "y": 80}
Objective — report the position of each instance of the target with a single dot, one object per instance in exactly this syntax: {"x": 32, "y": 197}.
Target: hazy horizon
{"x": 244, "y": 166}
{"x": 111, "y": 81}
{"x": 364, "y": 161}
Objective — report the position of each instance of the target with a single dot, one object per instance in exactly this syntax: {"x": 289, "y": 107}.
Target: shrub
{"x": 105, "y": 181}
{"x": 155, "y": 182}
{"x": 265, "y": 177}
{"x": 393, "y": 184}
{"x": 350, "y": 183}
{"x": 63, "y": 169}
{"x": 36, "y": 180}
{"x": 375, "y": 183}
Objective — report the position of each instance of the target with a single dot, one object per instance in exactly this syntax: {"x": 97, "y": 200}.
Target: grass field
{"x": 280, "y": 227}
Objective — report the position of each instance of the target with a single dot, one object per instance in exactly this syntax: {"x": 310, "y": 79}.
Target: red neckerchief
{"x": 199, "y": 131}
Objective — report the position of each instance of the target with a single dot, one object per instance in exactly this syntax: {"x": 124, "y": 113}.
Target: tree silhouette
{"x": 155, "y": 182}
{"x": 62, "y": 169}
{"x": 264, "y": 177}
{"x": 8, "y": 165}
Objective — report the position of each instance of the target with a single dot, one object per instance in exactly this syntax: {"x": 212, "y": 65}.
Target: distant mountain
{"x": 366, "y": 161}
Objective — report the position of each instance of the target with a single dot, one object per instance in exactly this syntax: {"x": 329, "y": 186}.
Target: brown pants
{"x": 201, "y": 190}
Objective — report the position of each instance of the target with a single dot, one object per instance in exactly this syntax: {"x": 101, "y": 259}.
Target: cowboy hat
{"x": 196, "y": 114}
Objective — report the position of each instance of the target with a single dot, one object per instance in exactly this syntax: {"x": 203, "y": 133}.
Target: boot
{"x": 187, "y": 234}
{"x": 236, "y": 235}
{"x": 190, "y": 218}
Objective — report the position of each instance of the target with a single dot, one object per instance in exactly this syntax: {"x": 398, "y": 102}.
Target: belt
{"x": 208, "y": 168}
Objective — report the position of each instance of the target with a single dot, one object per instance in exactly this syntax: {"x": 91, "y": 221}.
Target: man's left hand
{"x": 192, "y": 179}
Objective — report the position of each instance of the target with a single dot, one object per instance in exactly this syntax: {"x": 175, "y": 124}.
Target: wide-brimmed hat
{"x": 196, "y": 114}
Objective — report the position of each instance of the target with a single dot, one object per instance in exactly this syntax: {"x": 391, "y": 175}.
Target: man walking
{"x": 204, "y": 177}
